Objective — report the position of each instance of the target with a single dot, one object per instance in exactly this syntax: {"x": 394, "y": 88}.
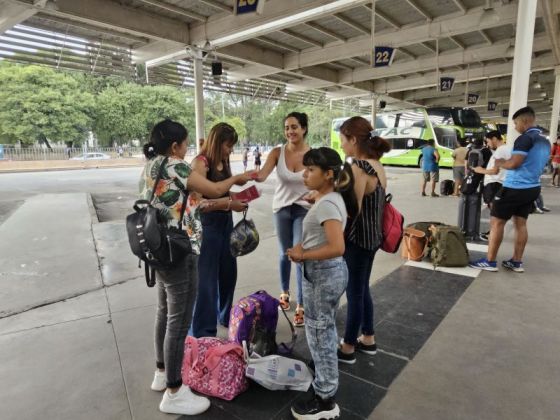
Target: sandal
{"x": 299, "y": 321}
{"x": 284, "y": 301}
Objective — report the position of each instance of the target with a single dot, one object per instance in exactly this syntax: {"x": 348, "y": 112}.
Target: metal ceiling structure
{"x": 309, "y": 51}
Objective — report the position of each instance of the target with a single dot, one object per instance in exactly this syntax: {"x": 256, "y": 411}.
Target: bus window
{"x": 446, "y": 137}
{"x": 468, "y": 118}
{"x": 412, "y": 118}
{"x": 440, "y": 116}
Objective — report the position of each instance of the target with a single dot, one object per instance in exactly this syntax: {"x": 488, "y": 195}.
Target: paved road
{"x": 114, "y": 190}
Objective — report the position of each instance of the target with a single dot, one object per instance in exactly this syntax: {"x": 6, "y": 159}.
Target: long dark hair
{"x": 163, "y": 135}
{"x": 370, "y": 145}
{"x": 328, "y": 159}
{"x": 301, "y": 118}
{"x": 219, "y": 134}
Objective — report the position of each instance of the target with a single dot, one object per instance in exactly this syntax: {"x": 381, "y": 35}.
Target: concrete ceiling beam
{"x": 12, "y": 13}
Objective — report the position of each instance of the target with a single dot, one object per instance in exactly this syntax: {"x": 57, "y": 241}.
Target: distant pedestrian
{"x": 120, "y": 151}
{"x": 459, "y": 155}
{"x": 245, "y": 158}
{"x": 257, "y": 155}
{"x": 430, "y": 167}
{"x": 555, "y": 160}
{"x": 521, "y": 187}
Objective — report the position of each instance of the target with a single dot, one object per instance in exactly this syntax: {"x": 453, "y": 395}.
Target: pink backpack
{"x": 393, "y": 222}
{"x": 214, "y": 367}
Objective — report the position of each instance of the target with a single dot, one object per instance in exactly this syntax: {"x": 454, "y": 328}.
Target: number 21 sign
{"x": 383, "y": 56}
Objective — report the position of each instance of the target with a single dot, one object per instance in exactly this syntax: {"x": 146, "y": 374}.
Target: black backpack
{"x": 472, "y": 179}
{"x": 151, "y": 240}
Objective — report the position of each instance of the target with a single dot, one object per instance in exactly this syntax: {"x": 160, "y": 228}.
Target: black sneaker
{"x": 316, "y": 408}
{"x": 370, "y": 349}
{"x": 348, "y": 358}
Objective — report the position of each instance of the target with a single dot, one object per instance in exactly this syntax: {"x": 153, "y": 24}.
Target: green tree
{"x": 39, "y": 103}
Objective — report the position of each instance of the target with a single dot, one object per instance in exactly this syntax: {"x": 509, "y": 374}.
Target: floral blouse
{"x": 170, "y": 193}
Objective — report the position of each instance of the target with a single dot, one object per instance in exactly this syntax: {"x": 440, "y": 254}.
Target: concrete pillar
{"x": 373, "y": 111}
{"x": 555, "y": 107}
{"x": 198, "y": 98}
{"x": 526, "y": 13}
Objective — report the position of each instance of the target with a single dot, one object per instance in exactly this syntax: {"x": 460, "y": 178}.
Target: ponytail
{"x": 149, "y": 151}
{"x": 344, "y": 184}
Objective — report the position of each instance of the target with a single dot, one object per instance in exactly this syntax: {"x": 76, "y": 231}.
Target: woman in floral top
{"x": 177, "y": 286}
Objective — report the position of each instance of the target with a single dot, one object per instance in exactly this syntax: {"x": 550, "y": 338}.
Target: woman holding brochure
{"x": 289, "y": 205}
{"x": 217, "y": 267}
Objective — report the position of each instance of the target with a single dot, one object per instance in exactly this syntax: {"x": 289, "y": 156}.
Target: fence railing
{"x": 9, "y": 152}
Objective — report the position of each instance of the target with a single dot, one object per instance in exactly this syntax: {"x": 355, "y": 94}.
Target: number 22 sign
{"x": 383, "y": 56}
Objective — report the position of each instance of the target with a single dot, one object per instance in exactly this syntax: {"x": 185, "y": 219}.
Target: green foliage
{"x": 41, "y": 103}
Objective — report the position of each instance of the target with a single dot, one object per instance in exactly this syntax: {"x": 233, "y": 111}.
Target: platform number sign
{"x": 446, "y": 83}
{"x": 505, "y": 112}
{"x": 492, "y": 106}
{"x": 472, "y": 98}
{"x": 247, "y": 6}
{"x": 383, "y": 56}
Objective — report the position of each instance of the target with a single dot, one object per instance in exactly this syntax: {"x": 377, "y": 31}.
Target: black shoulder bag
{"x": 151, "y": 240}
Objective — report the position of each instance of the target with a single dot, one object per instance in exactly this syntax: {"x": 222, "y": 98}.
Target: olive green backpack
{"x": 448, "y": 247}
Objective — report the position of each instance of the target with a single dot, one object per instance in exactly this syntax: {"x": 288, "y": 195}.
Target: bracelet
{"x": 229, "y": 204}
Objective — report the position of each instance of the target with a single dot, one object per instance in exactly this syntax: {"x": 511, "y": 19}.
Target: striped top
{"x": 366, "y": 229}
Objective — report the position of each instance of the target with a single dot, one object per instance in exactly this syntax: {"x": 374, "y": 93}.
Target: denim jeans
{"x": 217, "y": 275}
{"x": 360, "y": 304}
{"x": 323, "y": 285}
{"x": 288, "y": 222}
{"x": 176, "y": 290}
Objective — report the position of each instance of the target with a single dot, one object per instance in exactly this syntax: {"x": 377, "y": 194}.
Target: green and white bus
{"x": 409, "y": 130}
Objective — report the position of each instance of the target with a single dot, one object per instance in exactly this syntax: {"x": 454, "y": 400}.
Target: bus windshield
{"x": 464, "y": 117}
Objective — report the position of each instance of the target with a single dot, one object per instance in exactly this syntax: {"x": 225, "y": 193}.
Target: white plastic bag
{"x": 277, "y": 372}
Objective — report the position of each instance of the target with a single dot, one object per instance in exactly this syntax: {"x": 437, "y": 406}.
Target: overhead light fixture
{"x": 543, "y": 94}
{"x": 489, "y": 17}
{"x": 510, "y": 51}
{"x": 537, "y": 85}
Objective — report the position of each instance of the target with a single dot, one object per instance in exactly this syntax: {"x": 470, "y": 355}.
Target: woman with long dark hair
{"x": 176, "y": 287}
{"x": 288, "y": 205}
{"x": 363, "y": 234}
{"x": 217, "y": 267}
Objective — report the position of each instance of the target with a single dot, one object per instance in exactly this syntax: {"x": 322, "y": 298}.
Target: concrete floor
{"x": 76, "y": 331}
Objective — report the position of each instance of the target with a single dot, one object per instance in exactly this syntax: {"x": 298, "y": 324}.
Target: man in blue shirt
{"x": 430, "y": 167}
{"x": 521, "y": 187}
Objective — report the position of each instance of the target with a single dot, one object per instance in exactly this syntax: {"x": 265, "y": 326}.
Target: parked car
{"x": 91, "y": 156}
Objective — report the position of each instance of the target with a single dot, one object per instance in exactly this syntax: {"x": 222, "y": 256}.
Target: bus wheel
{"x": 420, "y": 161}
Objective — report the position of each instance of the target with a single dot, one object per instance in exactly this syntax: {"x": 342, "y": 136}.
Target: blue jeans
{"x": 176, "y": 290}
{"x": 323, "y": 285}
{"x": 288, "y": 222}
{"x": 217, "y": 275}
{"x": 360, "y": 304}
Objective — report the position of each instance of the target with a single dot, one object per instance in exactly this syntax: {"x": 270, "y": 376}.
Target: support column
{"x": 555, "y": 107}
{"x": 526, "y": 13}
{"x": 373, "y": 110}
{"x": 198, "y": 98}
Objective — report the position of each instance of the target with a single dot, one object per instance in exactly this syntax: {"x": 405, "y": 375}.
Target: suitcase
{"x": 469, "y": 215}
{"x": 446, "y": 187}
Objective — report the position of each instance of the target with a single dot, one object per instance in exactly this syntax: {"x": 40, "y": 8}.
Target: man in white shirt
{"x": 494, "y": 176}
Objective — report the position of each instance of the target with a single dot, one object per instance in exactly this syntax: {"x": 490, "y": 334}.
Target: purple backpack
{"x": 254, "y": 319}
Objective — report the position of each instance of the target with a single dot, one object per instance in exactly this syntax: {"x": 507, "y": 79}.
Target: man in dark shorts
{"x": 521, "y": 188}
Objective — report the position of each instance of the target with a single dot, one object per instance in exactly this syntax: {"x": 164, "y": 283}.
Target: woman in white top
{"x": 288, "y": 205}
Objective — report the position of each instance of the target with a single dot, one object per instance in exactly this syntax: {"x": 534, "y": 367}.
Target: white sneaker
{"x": 183, "y": 402}
{"x": 160, "y": 382}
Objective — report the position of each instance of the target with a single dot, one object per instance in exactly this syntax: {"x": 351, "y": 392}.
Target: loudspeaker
{"x": 216, "y": 68}
{"x": 382, "y": 104}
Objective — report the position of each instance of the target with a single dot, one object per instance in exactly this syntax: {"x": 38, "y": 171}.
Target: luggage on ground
{"x": 448, "y": 247}
{"x": 446, "y": 187}
{"x": 254, "y": 319}
{"x": 414, "y": 244}
{"x": 277, "y": 372}
{"x": 214, "y": 367}
{"x": 469, "y": 215}
{"x": 393, "y": 222}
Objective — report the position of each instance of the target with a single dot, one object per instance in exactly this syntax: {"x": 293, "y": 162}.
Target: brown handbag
{"x": 414, "y": 244}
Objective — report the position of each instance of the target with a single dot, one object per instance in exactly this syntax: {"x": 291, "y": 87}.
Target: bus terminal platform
{"x": 76, "y": 326}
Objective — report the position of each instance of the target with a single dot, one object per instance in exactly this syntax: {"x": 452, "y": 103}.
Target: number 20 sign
{"x": 383, "y": 56}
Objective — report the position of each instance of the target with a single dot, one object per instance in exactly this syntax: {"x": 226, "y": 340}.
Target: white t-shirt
{"x": 329, "y": 207}
{"x": 502, "y": 152}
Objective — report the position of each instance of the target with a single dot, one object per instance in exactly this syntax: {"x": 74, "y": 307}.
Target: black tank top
{"x": 366, "y": 229}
